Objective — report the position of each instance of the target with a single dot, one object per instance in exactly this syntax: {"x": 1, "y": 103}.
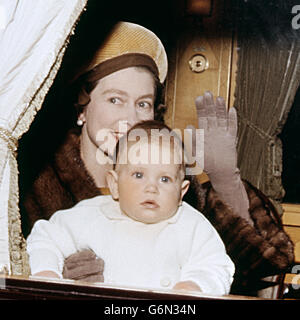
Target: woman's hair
{"x": 84, "y": 86}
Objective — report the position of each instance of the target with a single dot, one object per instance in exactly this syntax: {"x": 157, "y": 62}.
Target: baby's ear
{"x": 184, "y": 187}
{"x": 112, "y": 182}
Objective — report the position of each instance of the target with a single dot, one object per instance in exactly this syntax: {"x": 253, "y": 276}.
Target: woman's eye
{"x": 144, "y": 104}
{"x": 165, "y": 179}
{"x": 114, "y": 100}
{"x": 138, "y": 175}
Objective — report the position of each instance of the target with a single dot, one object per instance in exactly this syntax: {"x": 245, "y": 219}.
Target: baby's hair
{"x": 149, "y": 127}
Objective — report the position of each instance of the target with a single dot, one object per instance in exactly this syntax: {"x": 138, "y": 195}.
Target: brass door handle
{"x": 198, "y": 63}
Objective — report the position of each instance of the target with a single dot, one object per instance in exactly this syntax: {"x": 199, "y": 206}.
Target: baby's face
{"x": 149, "y": 192}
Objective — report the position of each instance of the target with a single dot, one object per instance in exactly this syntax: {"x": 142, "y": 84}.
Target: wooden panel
{"x": 294, "y": 233}
{"x": 233, "y": 71}
{"x": 291, "y": 278}
{"x": 187, "y": 85}
{"x": 19, "y": 288}
{"x": 291, "y": 207}
{"x": 297, "y": 252}
{"x": 291, "y": 218}
{"x": 291, "y": 222}
{"x": 183, "y": 85}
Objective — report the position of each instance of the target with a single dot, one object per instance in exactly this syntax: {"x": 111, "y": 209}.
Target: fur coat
{"x": 258, "y": 251}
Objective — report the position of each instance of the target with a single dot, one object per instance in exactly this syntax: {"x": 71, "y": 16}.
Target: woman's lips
{"x": 150, "y": 204}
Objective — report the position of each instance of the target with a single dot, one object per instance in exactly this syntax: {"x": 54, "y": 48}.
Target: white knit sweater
{"x": 184, "y": 247}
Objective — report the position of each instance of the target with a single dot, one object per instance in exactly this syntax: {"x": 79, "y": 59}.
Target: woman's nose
{"x": 132, "y": 115}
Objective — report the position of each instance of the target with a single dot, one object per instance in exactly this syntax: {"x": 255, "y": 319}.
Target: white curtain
{"x": 33, "y": 37}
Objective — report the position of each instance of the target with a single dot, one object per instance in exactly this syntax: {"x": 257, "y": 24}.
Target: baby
{"x": 147, "y": 236}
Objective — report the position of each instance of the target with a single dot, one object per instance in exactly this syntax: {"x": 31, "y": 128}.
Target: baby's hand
{"x": 47, "y": 274}
{"x": 187, "y": 285}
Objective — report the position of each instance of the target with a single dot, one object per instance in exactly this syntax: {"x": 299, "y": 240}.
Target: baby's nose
{"x": 151, "y": 187}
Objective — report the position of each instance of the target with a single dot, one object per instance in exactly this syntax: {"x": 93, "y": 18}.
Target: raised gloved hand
{"x": 220, "y": 131}
{"x": 220, "y": 156}
{"x": 84, "y": 265}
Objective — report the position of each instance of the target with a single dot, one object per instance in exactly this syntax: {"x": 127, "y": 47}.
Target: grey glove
{"x": 220, "y": 157}
{"x": 84, "y": 265}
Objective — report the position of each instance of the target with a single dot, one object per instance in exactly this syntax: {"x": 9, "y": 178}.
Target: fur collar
{"x": 72, "y": 171}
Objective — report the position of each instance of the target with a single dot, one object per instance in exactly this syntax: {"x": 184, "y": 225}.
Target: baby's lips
{"x": 150, "y": 204}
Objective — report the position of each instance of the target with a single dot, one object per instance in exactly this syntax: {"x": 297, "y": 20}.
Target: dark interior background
{"x": 290, "y": 138}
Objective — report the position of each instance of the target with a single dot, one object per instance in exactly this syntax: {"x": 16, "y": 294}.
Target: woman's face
{"x": 125, "y": 95}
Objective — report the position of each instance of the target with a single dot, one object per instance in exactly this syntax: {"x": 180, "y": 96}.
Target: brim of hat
{"x": 122, "y": 62}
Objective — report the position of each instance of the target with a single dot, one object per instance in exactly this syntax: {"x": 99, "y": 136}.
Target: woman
{"x": 121, "y": 87}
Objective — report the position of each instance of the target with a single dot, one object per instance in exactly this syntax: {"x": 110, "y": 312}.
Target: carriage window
{"x": 204, "y": 54}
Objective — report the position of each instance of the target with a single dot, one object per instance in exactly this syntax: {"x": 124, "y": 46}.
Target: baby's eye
{"x": 138, "y": 175}
{"x": 165, "y": 179}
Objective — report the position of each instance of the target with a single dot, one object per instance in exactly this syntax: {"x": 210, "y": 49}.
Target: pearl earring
{"x": 79, "y": 122}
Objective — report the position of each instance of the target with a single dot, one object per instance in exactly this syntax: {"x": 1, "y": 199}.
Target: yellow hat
{"x": 129, "y": 44}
